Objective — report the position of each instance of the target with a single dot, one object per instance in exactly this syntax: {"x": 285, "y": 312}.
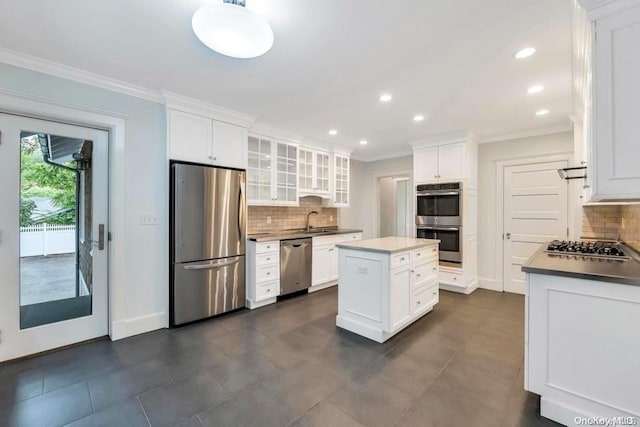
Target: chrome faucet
{"x": 308, "y": 227}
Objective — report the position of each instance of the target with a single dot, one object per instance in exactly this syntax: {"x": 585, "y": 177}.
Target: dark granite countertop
{"x": 607, "y": 270}
{"x": 300, "y": 234}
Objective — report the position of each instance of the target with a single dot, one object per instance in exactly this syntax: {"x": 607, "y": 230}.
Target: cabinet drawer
{"x": 425, "y": 298}
{"x": 267, "y": 273}
{"x": 451, "y": 277}
{"x": 264, "y": 247}
{"x": 267, "y": 290}
{"x": 400, "y": 260}
{"x": 267, "y": 259}
{"x": 352, "y": 237}
{"x": 424, "y": 255}
{"x": 424, "y": 273}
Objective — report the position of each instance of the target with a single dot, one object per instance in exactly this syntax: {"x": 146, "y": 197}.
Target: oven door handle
{"x": 435, "y": 193}
{"x": 440, "y": 228}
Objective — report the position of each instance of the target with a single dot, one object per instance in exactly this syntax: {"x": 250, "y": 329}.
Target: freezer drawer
{"x": 204, "y": 289}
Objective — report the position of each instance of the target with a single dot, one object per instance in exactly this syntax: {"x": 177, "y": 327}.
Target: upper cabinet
{"x": 203, "y": 133}
{"x": 452, "y": 159}
{"x": 341, "y": 180}
{"x": 315, "y": 169}
{"x": 272, "y": 172}
{"x": 616, "y": 134}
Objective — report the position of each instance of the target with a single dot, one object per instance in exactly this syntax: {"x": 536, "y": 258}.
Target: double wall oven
{"x": 439, "y": 216}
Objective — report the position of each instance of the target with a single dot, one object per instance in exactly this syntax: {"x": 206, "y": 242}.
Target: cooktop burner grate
{"x": 592, "y": 249}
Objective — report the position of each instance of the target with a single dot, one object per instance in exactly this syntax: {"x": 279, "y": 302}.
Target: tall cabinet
{"x": 613, "y": 98}
{"x": 454, "y": 158}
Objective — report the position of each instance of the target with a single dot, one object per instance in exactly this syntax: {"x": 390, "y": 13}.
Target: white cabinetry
{"x": 616, "y": 106}
{"x": 272, "y": 172}
{"x": 581, "y": 347}
{"x": 200, "y": 139}
{"x": 263, "y": 273}
{"x": 315, "y": 172}
{"x": 381, "y": 293}
{"x": 325, "y": 259}
{"x": 442, "y": 162}
{"x": 341, "y": 171}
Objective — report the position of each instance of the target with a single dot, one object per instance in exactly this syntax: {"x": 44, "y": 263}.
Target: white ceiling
{"x": 449, "y": 60}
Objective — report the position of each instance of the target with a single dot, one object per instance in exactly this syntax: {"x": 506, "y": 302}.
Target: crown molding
{"x": 175, "y": 101}
{"x": 265, "y": 129}
{"x": 395, "y": 155}
{"x": 567, "y": 127}
{"x": 444, "y": 138}
{"x": 597, "y": 9}
{"x": 45, "y": 66}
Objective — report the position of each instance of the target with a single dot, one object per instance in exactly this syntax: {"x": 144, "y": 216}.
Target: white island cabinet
{"x": 386, "y": 284}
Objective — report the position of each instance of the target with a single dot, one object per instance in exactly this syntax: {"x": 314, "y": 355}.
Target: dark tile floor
{"x": 288, "y": 364}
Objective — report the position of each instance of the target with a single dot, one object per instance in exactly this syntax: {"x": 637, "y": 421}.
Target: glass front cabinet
{"x": 341, "y": 180}
{"x": 315, "y": 170}
{"x": 272, "y": 172}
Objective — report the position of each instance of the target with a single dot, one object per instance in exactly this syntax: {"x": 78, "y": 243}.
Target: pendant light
{"x": 232, "y": 30}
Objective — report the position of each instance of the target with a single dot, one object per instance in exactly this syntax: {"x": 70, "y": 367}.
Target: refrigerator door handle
{"x": 210, "y": 266}
{"x": 241, "y": 209}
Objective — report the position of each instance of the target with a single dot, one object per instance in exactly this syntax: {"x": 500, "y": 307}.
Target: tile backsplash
{"x": 601, "y": 222}
{"x": 286, "y": 218}
{"x": 630, "y": 226}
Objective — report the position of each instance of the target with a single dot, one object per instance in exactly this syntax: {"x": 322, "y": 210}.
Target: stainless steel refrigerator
{"x": 208, "y": 223}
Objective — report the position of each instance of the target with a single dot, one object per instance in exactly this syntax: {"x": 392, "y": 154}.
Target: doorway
{"x": 54, "y": 235}
{"x": 395, "y": 206}
{"x": 535, "y": 211}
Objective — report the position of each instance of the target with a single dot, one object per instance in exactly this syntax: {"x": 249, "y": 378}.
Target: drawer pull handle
{"x": 268, "y": 273}
{"x": 418, "y": 254}
{"x": 418, "y": 302}
{"x": 434, "y": 269}
{"x": 268, "y": 290}
{"x": 268, "y": 259}
{"x": 417, "y": 275}
{"x": 402, "y": 259}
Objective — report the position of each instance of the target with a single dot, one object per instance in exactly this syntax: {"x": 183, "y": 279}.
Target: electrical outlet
{"x": 148, "y": 219}
{"x": 268, "y": 220}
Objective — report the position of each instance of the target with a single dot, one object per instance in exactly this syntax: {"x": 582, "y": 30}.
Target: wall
{"x": 488, "y": 155}
{"x": 630, "y": 226}
{"x": 287, "y": 218}
{"x": 146, "y": 175}
{"x": 364, "y": 207}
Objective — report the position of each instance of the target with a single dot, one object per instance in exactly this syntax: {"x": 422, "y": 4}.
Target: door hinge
{"x": 567, "y": 232}
{"x": 109, "y": 236}
{"x": 0, "y": 137}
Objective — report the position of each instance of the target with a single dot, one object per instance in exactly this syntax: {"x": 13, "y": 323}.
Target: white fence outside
{"x": 47, "y": 239}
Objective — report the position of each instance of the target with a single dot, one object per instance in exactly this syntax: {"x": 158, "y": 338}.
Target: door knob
{"x": 508, "y": 235}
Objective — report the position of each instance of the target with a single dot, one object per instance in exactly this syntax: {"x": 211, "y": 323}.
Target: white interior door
{"x": 53, "y": 235}
{"x": 535, "y": 211}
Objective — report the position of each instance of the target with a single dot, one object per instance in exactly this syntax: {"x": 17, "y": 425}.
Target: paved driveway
{"x": 47, "y": 278}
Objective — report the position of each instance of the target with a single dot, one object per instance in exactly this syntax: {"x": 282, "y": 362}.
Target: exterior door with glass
{"x": 53, "y": 235}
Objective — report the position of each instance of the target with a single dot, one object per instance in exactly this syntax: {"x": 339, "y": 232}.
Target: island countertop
{"x": 389, "y": 245}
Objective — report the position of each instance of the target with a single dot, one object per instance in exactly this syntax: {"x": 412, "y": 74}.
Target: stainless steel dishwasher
{"x": 295, "y": 265}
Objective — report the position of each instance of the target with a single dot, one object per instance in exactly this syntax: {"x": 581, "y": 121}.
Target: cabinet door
{"x": 341, "y": 181}
{"x": 305, "y": 176}
{"x": 425, "y": 165}
{"x": 400, "y": 297}
{"x": 617, "y": 103}
{"x": 259, "y": 173}
{"x": 322, "y": 171}
{"x": 286, "y": 170}
{"x": 229, "y": 145}
{"x": 451, "y": 162}
{"x": 189, "y": 137}
{"x": 321, "y": 265}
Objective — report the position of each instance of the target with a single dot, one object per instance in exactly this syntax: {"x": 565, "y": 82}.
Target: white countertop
{"x": 389, "y": 244}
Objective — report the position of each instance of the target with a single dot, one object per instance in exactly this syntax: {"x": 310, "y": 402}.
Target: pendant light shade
{"x": 232, "y": 30}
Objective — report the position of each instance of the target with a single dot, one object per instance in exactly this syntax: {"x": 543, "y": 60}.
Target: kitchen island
{"x": 582, "y": 339}
{"x": 386, "y": 284}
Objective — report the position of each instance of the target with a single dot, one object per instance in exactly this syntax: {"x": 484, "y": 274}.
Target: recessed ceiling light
{"x": 232, "y": 30}
{"x": 364, "y": 142}
{"x": 524, "y": 53}
{"x": 385, "y": 97}
{"x": 542, "y": 112}
{"x": 535, "y": 89}
{"x": 333, "y": 132}
{"x": 418, "y": 118}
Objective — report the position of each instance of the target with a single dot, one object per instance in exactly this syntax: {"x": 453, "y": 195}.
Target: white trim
{"x": 490, "y": 284}
{"x": 138, "y": 325}
{"x": 527, "y": 133}
{"x": 376, "y": 196}
{"x": 499, "y": 171}
{"x": 176, "y": 101}
{"x": 45, "y": 66}
{"x": 266, "y": 130}
{"x": 444, "y": 138}
{"x": 395, "y": 155}
{"x": 598, "y": 9}
{"x": 317, "y": 288}
{"x": 90, "y": 117}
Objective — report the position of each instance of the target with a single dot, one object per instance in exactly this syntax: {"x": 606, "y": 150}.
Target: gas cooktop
{"x": 593, "y": 249}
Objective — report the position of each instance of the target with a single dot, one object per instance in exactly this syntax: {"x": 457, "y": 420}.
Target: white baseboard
{"x": 138, "y": 325}
{"x": 323, "y": 286}
{"x": 257, "y": 304}
{"x": 490, "y": 284}
{"x": 462, "y": 289}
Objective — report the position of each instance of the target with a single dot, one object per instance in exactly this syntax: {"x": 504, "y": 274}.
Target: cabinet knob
{"x": 402, "y": 259}
{"x": 210, "y": 157}
{"x": 412, "y": 271}
{"x": 418, "y": 302}
{"x": 268, "y": 273}
{"x": 418, "y": 254}
{"x": 434, "y": 294}
{"x": 268, "y": 290}
{"x": 434, "y": 269}
{"x": 417, "y": 275}
{"x": 268, "y": 259}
